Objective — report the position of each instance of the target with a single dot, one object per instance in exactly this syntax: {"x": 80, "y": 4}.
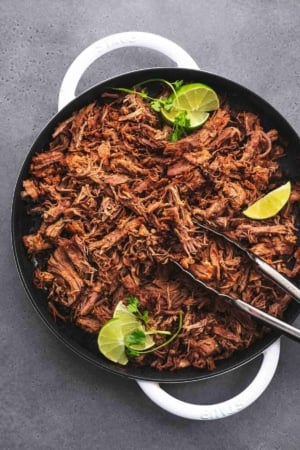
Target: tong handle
{"x": 287, "y": 329}
{"x": 284, "y": 327}
{"x": 278, "y": 278}
{"x": 264, "y": 267}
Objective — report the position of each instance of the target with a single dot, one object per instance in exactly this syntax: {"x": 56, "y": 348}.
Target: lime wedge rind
{"x": 121, "y": 308}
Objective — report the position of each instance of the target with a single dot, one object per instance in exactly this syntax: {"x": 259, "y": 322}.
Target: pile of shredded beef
{"x": 116, "y": 202}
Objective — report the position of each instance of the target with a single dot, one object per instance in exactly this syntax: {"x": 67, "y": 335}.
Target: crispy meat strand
{"x": 116, "y": 201}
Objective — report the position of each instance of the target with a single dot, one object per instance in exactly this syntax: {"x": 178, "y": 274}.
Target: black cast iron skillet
{"x": 77, "y": 340}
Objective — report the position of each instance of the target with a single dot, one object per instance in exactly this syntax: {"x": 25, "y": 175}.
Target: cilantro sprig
{"x": 138, "y": 336}
{"x": 181, "y": 122}
{"x": 128, "y": 333}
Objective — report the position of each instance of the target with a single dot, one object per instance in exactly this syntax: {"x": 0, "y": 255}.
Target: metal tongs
{"x": 273, "y": 274}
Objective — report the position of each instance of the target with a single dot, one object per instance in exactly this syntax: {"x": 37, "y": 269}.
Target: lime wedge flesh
{"x": 269, "y": 205}
{"x": 196, "y": 97}
{"x": 197, "y": 100}
{"x": 111, "y": 342}
{"x": 128, "y": 321}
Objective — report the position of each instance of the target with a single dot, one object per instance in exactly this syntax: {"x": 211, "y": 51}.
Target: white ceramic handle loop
{"x": 223, "y": 409}
{"x": 115, "y": 41}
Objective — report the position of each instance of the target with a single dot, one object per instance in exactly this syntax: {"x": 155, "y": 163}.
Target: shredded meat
{"x": 116, "y": 202}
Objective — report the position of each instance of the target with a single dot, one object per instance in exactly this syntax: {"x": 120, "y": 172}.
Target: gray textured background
{"x": 49, "y": 398}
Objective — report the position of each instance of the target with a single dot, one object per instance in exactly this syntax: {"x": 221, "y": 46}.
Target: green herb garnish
{"x": 181, "y": 123}
{"x": 132, "y": 306}
{"x": 162, "y": 103}
{"x": 186, "y": 108}
{"x": 126, "y": 334}
{"x": 138, "y": 336}
{"x": 140, "y": 340}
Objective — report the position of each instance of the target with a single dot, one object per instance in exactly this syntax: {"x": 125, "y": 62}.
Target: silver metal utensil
{"x": 272, "y": 273}
{"x": 284, "y": 327}
{"x": 278, "y": 278}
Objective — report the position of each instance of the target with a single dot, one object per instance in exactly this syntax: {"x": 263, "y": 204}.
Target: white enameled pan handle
{"x": 113, "y": 42}
{"x": 223, "y": 409}
{"x": 153, "y": 390}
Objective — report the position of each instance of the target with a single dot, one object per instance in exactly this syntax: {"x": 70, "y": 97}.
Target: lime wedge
{"x": 111, "y": 342}
{"x": 111, "y": 338}
{"x": 130, "y": 323}
{"x": 196, "y": 97}
{"x": 197, "y": 100}
{"x": 269, "y": 205}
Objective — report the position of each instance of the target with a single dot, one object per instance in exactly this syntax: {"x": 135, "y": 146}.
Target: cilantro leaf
{"x": 181, "y": 122}
{"x": 168, "y": 104}
{"x": 156, "y": 105}
{"x": 162, "y": 102}
{"x": 136, "y": 337}
{"x": 144, "y": 316}
{"x": 177, "y": 84}
{"x": 132, "y": 306}
{"x": 131, "y": 352}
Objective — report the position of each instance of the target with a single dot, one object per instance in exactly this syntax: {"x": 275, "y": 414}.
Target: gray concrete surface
{"x": 49, "y": 398}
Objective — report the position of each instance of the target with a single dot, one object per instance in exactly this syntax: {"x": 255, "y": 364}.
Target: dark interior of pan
{"x": 83, "y": 343}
